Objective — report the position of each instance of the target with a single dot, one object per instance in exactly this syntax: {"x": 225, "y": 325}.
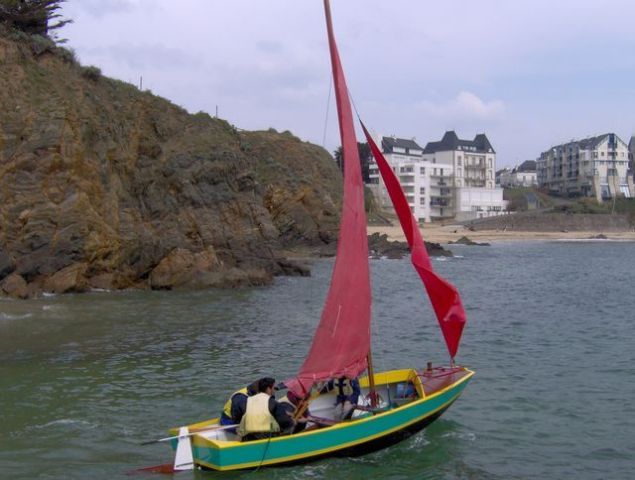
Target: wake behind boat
{"x": 393, "y": 404}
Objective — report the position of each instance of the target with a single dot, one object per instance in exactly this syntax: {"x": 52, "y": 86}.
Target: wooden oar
{"x": 190, "y": 433}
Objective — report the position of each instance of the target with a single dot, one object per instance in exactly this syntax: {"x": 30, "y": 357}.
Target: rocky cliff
{"x": 105, "y": 186}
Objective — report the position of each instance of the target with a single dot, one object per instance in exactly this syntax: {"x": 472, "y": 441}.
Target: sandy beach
{"x": 450, "y": 233}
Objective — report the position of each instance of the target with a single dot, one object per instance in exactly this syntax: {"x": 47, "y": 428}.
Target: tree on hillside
{"x": 35, "y": 17}
{"x": 365, "y": 157}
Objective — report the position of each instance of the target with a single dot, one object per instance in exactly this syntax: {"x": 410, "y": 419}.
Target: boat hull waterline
{"x": 348, "y": 438}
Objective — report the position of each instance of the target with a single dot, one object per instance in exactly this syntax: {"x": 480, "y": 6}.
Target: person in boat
{"x": 263, "y": 418}
{"x": 287, "y": 407}
{"x": 348, "y": 392}
{"x": 234, "y": 408}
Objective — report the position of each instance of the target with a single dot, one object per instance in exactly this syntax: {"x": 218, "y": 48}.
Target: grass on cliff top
{"x": 621, "y": 206}
{"x": 517, "y": 198}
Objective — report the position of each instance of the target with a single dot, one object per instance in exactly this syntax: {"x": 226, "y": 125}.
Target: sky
{"x": 529, "y": 74}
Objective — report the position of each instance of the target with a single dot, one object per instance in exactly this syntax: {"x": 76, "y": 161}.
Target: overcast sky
{"x": 528, "y": 73}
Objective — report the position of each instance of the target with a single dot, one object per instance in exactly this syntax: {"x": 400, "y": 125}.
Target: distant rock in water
{"x": 600, "y": 236}
{"x": 380, "y": 246}
{"x": 105, "y": 186}
{"x": 466, "y": 241}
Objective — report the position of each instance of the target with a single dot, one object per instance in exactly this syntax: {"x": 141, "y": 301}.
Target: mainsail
{"x": 342, "y": 340}
{"x": 443, "y": 295}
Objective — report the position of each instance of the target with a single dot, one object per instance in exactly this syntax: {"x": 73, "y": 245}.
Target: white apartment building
{"x": 631, "y": 157}
{"x": 405, "y": 158}
{"x": 593, "y": 167}
{"x": 466, "y": 187}
{"x": 524, "y": 175}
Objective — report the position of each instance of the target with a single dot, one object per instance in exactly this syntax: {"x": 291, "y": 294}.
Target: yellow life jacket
{"x": 257, "y": 417}
{"x": 285, "y": 399}
{"x": 227, "y": 409}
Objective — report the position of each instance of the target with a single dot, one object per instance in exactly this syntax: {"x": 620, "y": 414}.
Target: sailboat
{"x": 396, "y": 403}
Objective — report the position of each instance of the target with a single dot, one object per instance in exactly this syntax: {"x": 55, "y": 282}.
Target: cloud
{"x": 139, "y": 56}
{"x": 101, "y": 8}
{"x": 465, "y": 106}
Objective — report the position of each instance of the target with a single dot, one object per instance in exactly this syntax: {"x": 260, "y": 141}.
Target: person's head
{"x": 252, "y": 388}
{"x": 265, "y": 385}
{"x": 293, "y": 398}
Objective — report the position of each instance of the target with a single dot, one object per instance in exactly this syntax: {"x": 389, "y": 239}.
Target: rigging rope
{"x": 326, "y": 117}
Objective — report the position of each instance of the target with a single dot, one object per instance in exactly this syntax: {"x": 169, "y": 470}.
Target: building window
{"x": 434, "y": 160}
{"x": 422, "y": 200}
{"x": 422, "y": 190}
{"x": 441, "y": 172}
{"x": 458, "y": 160}
{"x": 423, "y": 170}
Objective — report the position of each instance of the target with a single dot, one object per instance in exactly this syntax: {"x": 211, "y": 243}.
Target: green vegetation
{"x": 518, "y": 198}
{"x": 364, "y": 158}
{"x": 375, "y": 215}
{"x": 91, "y": 72}
{"x": 33, "y": 17}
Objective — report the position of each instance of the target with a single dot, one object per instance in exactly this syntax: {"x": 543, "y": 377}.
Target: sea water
{"x": 85, "y": 378}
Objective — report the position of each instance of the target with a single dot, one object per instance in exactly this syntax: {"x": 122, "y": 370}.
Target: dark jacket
{"x": 338, "y": 386}
{"x": 239, "y": 403}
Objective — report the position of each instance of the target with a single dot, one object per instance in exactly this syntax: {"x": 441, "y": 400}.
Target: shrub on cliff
{"x": 91, "y": 72}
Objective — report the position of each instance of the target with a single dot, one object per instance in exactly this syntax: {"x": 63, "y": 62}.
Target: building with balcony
{"x": 631, "y": 158}
{"x": 405, "y": 158}
{"x": 593, "y": 167}
{"x": 466, "y": 168}
{"x": 524, "y": 175}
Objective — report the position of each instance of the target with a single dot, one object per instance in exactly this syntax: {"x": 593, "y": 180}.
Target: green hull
{"x": 347, "y": 438}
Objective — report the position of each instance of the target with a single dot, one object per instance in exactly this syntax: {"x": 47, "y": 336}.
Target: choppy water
{"x": 85, "y": 378}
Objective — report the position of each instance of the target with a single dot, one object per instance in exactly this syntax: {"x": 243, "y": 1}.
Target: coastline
{"x": 451, "y": 233}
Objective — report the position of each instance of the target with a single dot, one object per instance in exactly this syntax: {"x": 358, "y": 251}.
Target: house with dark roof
{"x": 593, "y": 167}
{"x": 462, "y": 182}
{"x": 523, "y": 175}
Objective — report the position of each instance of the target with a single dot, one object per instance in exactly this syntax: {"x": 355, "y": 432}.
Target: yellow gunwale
{"x": 197, "y": 439}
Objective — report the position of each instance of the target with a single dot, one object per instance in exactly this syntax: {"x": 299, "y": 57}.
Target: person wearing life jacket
{"x": 263, "y": 418}
{"x": 234, "y": 408}
{"x": 348, "y": 392}
{"x": 287, "y": 406}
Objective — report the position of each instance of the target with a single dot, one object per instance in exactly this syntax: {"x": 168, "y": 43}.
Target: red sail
{"x": 443, "y": 295}
{"x": 342, "y": 339}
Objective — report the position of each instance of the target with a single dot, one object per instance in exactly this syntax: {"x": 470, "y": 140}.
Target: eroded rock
{"x": 14, "y": 286}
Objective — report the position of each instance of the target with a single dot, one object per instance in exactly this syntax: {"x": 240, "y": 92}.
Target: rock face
{"x": 105, "y": 186}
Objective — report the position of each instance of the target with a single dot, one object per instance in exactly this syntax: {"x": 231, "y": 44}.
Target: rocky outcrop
{"x": 105, "y": 186}
{"x": 467, "y": 241}
{"x": 14, "y": 286}
{"x": 379, "y": 246}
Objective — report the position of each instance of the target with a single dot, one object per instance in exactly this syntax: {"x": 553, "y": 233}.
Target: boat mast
{"x": 371, "y": 380}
